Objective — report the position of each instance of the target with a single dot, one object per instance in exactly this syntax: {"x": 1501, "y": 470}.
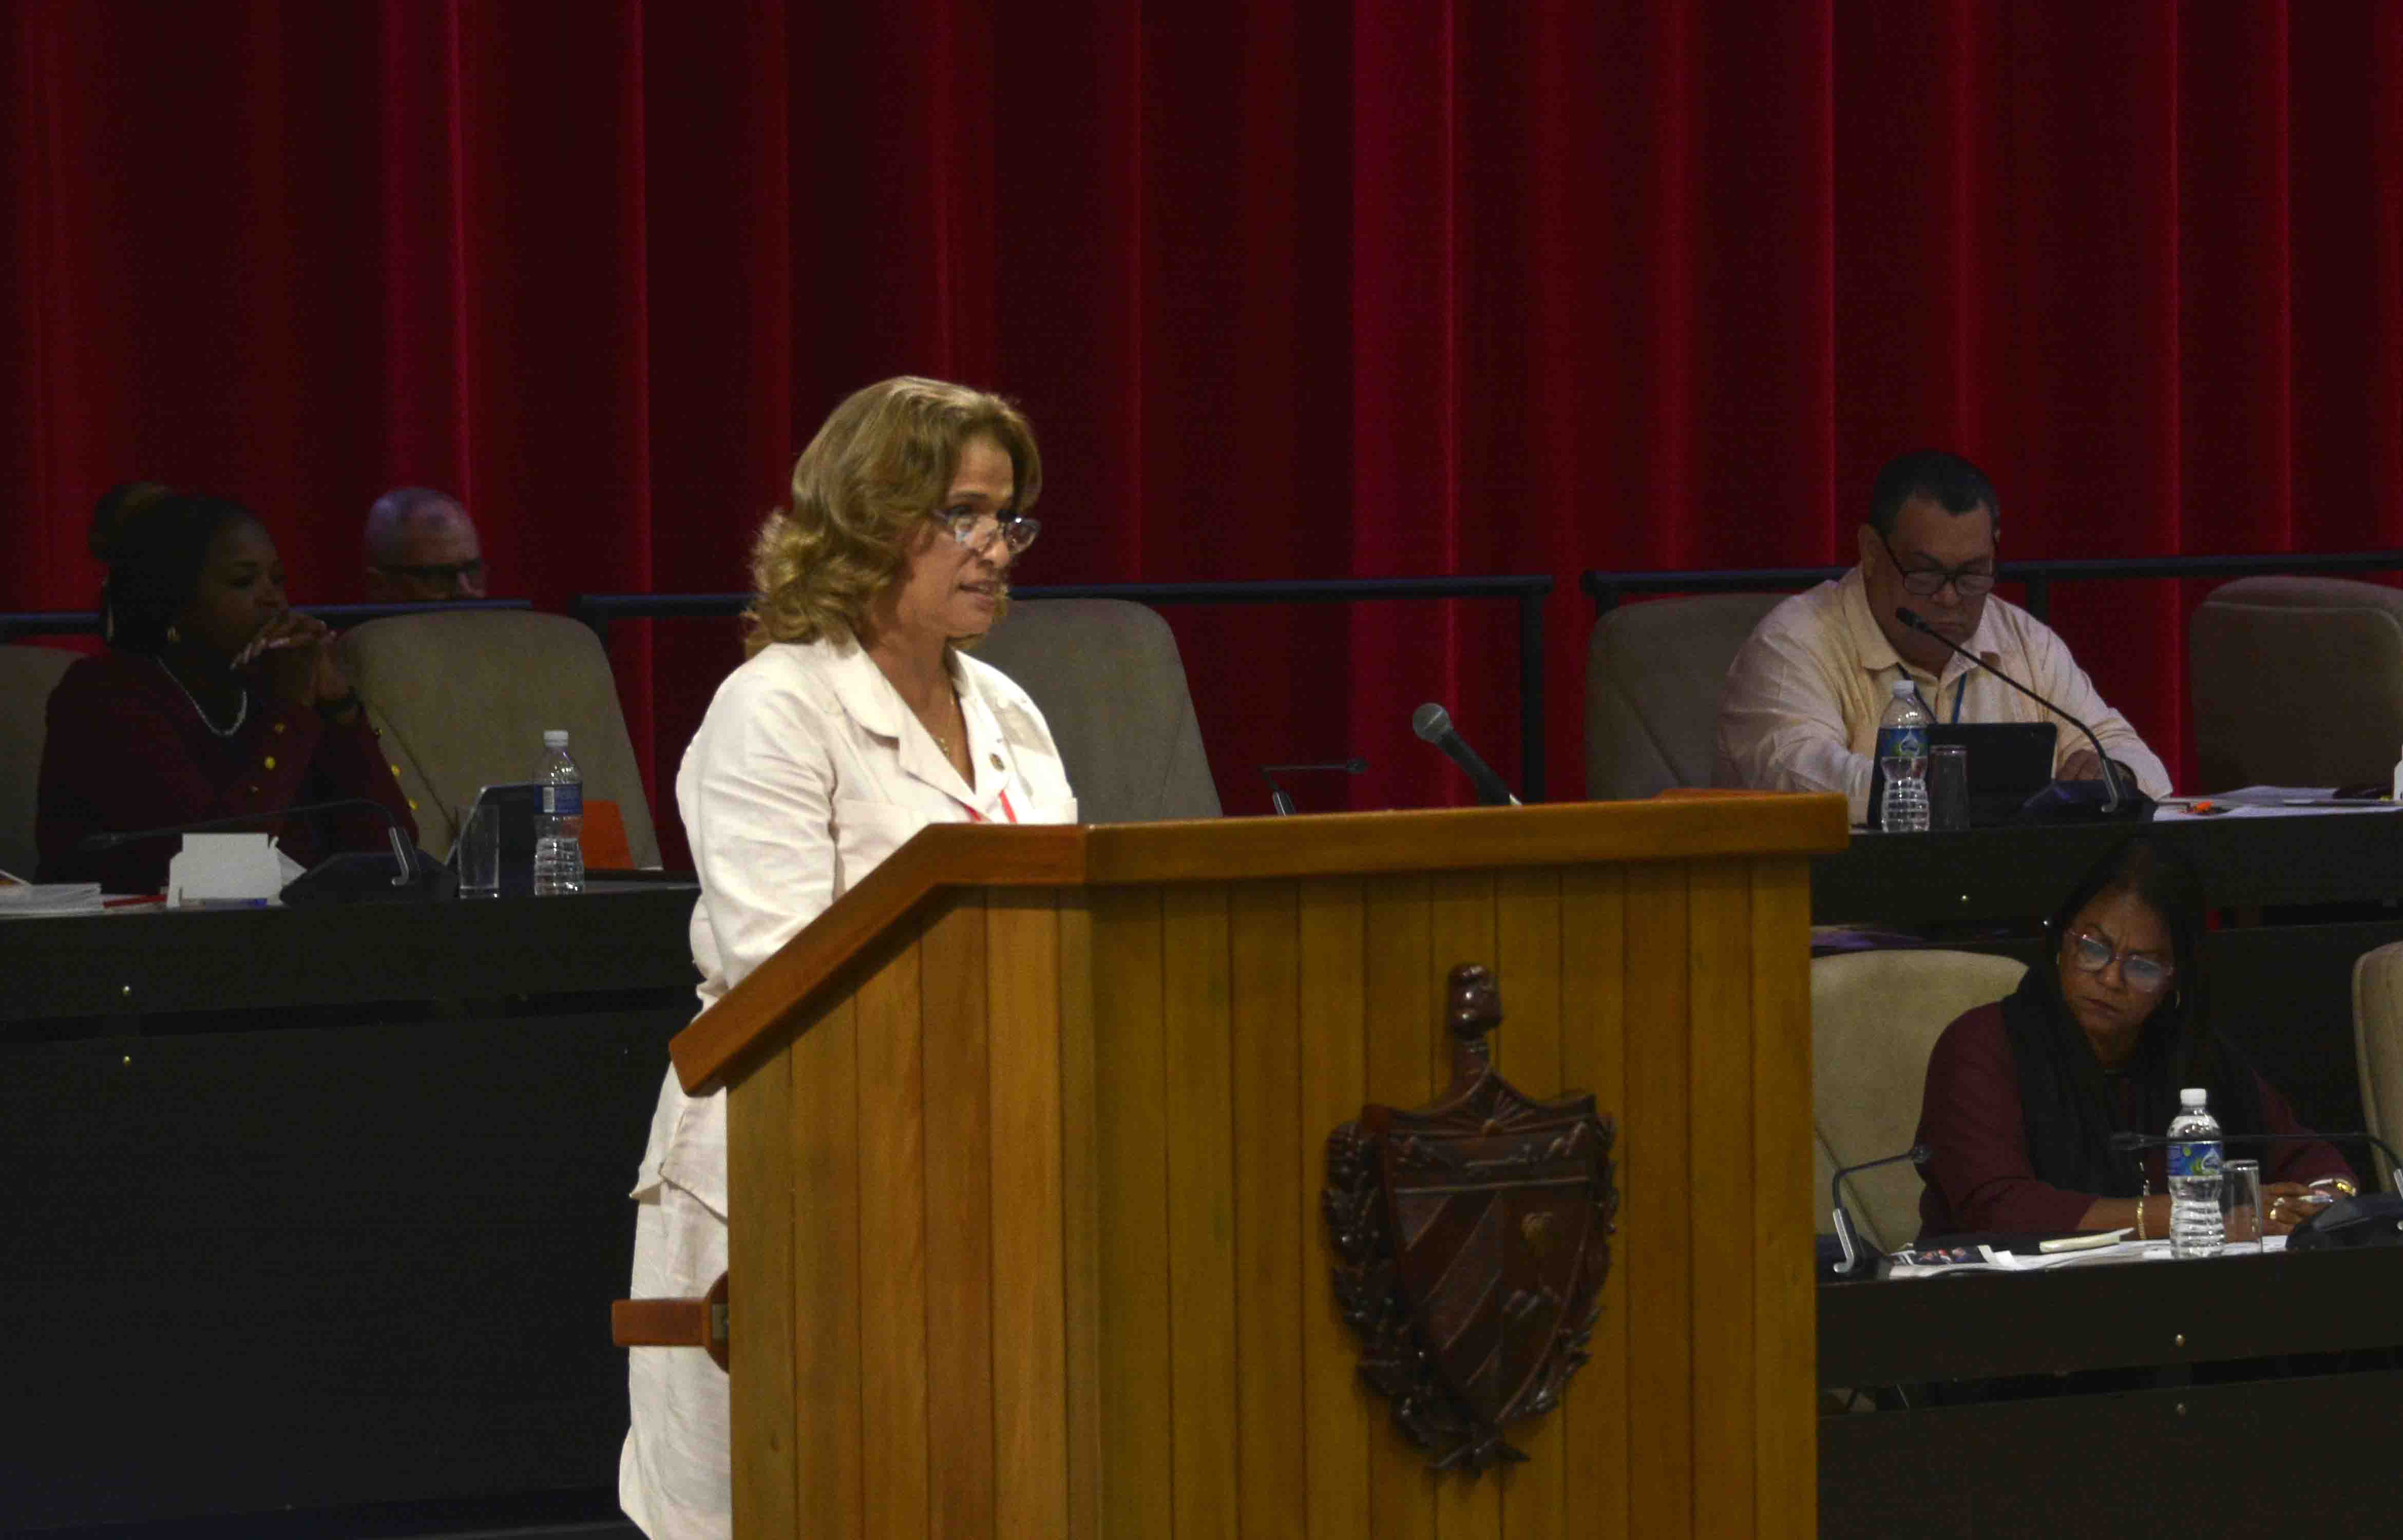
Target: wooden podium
{"x": 1027, "y": 1138}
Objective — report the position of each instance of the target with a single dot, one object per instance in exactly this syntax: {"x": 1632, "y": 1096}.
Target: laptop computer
{"x": 2008, "y": 763}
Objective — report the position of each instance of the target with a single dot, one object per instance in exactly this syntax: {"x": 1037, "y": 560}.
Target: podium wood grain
{"x": 957, "y": 1129}
{"x": 1026, "y": 1154}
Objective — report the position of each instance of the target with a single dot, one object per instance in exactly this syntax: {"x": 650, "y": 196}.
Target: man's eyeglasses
{"x": 974, "y": 530}
{"x": 1970, "y": 582}
{"x": 2092, "y": 953}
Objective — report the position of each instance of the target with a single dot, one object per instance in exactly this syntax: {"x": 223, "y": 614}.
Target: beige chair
{"x": 2378, "y": 1045}
{"x": 2297, "y": 681}
{"x": 463, "y": 698}
{"x": 27, "y": 676}
{"x": 1875, "y": 1017}
{"x": 1652, "y": 677}
{"x": 1111, "y": 687}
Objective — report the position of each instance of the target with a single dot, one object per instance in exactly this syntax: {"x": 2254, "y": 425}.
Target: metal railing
{"x": 87, "y": 622}
{"x": 600, "y": 610}
{"x": 1607, "y": 589}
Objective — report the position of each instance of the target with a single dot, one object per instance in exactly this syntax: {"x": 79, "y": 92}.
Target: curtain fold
{"x": 1289, "y": 290}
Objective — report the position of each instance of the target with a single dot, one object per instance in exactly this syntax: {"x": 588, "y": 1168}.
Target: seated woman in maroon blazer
{"x": 2023, "y": 1095}
{"x": 215, "y": 700}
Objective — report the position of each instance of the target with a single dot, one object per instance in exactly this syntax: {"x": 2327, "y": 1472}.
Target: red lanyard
{"x": 1007, "y": 811}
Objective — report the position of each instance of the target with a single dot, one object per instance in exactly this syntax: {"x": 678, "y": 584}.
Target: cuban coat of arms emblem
{"x": 1472, "y": 1236}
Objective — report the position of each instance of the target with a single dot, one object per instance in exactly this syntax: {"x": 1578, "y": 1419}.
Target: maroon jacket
{"x": 1979, "y": 1176}
{"x": 126, "y": 750}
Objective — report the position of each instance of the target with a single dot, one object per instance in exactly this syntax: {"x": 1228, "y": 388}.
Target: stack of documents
{"x": 49, "y": 898}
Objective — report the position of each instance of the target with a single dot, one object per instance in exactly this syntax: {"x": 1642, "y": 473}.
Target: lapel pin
{"x": 996, "y": 761}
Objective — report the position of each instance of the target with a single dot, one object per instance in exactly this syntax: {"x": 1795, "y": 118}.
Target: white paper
{"x": 29, "y": 898}
{"x": 2269, "y": 802}
{"x": 226, "y": 869}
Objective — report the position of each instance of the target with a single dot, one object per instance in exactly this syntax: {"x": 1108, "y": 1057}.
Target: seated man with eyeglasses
{"x": 422, "y": 550}
{"x": 1800, "y": 708}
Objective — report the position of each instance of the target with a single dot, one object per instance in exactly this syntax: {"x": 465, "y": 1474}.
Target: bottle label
{"x": 563, "y": 801}
{"x": 1907, "y": 744}
{"x": 2198, "y": 1159}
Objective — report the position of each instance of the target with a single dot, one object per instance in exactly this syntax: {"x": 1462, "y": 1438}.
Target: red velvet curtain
{"x": 1289, "y": 290}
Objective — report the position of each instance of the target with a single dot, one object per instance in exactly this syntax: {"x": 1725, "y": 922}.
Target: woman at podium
{"x": 215, "y": 700}
{"x": 2023, "y": 1096}
{"x": 858, "y": 719}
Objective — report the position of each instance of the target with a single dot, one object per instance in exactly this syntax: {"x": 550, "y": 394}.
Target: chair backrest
{"x": 27, "y": 676}
{"x": 2295, "y": 682}
{"x": 463, "y": 698}
{"x": 1111, "y": 686}
{"x": 1875, "y": 1017}
{"x": 1652, "y": 677}
{"x": 2378, "y": 1043}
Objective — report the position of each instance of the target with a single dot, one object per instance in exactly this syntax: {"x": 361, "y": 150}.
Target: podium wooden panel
{"x": 1026, "y": 1139}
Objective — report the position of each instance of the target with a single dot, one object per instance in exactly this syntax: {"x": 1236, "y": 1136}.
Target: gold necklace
{"x": 941, "y": 742}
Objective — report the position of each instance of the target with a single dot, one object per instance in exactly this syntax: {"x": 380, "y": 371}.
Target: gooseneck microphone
{"x": 2133, "y": 1142}
{"x": 1434, "y": 724}
{"x": 1281, "y": 801}
{"x": 1861, "y": 1259}
{"x": 1911, "y": 617}
{"x": 401, "y": 851}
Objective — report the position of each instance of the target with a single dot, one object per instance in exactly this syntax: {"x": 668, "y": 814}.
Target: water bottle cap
{"x": 554, "y": 738}
{"x": 2193, "y": 1096}
{"x": 1905, "y": 686}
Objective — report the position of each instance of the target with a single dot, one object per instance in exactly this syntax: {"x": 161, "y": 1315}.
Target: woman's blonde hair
{"x": 882, "y": 460}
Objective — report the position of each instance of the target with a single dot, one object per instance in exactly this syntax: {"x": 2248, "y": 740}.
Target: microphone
{"x": 2133, "y": 1142}
{"x": 1434, "y": 724}
{"x": 1860, "y": 1258}
{"x": 1281, "y": 801}
{"x": 400, "y": 850}
{"x": 2136, "y": 803}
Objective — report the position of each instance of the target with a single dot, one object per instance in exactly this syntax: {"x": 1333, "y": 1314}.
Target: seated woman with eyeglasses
{"x": 2113, "y": 1020}
{"x": 858, "y": 720}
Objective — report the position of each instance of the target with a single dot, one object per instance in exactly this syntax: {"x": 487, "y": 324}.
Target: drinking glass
{"x": 1947, "y": 788}
{"x": 480, "y": 851}
{"x": 2240, "y": 1200}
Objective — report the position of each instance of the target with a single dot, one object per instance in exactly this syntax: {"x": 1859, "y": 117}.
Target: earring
{"x": 173, "y": 635}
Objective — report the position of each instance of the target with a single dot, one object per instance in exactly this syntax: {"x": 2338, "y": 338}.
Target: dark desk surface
{"x": 1989, "y": 1326}
{"x": 2007, "y": 876}
{"x": 151, "y": 960}
{"x": 319, "y": 1208}
{"x": 2239, "y": 1397}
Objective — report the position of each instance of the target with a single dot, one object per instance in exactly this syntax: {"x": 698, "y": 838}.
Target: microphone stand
{"x": 1281, "y": 801}
{"x": 1858, "y": 1260}
{"x": 2110, "y": 771}
{"x": 393, "y": 830}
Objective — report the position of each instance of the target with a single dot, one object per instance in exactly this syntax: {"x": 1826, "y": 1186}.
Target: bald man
{"x": 422, "y": 548}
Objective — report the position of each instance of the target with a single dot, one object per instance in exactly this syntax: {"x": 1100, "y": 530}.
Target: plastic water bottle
{"x": 2195, "y": 1225}
{"x": 1902, "y": 754}
{"x": 559, "y": 829}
